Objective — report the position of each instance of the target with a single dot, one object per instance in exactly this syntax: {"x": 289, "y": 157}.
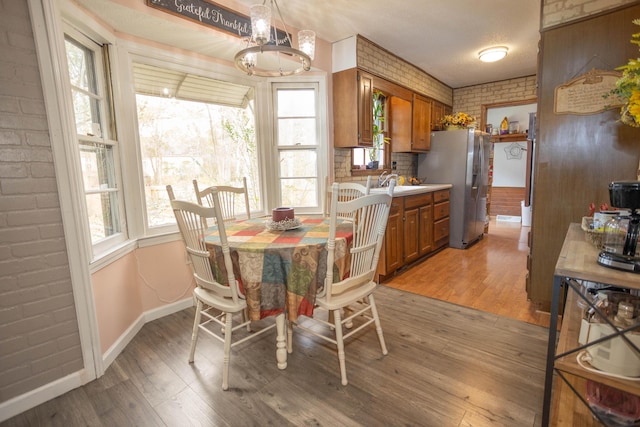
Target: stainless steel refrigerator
{"x": 460, "y": 158}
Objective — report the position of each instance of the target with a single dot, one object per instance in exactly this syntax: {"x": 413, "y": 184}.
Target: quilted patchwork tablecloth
{"x": 280, "y": 270}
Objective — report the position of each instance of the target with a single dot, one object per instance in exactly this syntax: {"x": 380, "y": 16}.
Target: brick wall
{"x": 562, "y": 11}
{"x": 39, "y": 340}
{"x": 471, "y": 98}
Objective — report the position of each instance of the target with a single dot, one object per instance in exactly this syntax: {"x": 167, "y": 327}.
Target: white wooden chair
{"x": 346, "y": 191}
{"x": 369, "y": 213}
{"x": 216, "y": 301}
{"x": 227, "y": 195}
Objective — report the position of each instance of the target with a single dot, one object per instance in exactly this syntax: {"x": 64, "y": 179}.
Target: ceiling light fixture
{"x": 493, "y": 54}
{"x": 264, "y": 46}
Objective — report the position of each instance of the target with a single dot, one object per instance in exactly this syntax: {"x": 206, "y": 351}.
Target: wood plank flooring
{"x": 447, "y": 365}
{"x": 489, "y": 276}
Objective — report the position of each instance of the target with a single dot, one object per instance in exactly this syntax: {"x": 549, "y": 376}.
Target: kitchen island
{"x": 418, "y": 226}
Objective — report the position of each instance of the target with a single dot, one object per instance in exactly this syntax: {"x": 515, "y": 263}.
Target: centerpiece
{"x": 458, "y": 120}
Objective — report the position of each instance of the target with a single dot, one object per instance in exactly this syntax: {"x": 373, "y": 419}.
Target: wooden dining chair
{"x": 370, "y": 214}
{"x": 346, "y": 191}
{"x": 217, "y": 301}
{"x": 227, "y": 195}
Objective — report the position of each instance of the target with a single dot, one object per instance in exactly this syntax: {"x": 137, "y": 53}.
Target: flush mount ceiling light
{"x": 266, "y": 55}
{"x": 493, "y": 54}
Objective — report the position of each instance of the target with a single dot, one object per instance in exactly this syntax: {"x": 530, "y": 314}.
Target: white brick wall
{"x": 39, "y": 340}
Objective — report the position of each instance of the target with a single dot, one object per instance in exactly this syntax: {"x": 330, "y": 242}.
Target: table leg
{"x": 281, "y": 350}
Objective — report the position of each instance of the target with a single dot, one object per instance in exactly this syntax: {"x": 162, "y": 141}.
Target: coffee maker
{"x": 620, "y": 248}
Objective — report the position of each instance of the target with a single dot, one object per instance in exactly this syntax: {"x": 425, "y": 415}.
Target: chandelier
{"x": 268, "y": 56}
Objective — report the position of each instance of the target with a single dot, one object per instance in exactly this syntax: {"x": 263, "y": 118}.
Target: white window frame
{"x": 108, "y": 127}
{"x": 319, "y": 85}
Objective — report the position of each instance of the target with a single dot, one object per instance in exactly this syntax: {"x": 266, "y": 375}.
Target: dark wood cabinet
{"x": 425, "y": 228}
{"x": 400, "y": 124}
{"x": 437, "y": 113}
{"x": 352, "y": 109}
{"x": 410, "y": 124}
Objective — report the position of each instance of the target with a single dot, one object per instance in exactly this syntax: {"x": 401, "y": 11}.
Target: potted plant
{"x": 627, "y": 88}
{"x": 378, "y": 129}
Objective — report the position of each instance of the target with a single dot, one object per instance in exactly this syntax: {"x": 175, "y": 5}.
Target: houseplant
{"x": 378, "y": 130}
{"x": 458, "y": 120}
{"x": 628, "y": 87}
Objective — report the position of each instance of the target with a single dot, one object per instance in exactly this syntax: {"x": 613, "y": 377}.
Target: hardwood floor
{"x": 489, "y": 276}
{"x": 447, "y": 365}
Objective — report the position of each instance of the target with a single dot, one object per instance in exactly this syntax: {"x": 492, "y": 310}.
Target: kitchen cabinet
{"x": 577, "y": 261}
{"x": 437, "y": 113}
{"x": 418, "y": 225}
{"x": 440, "y": 219}
{"x": 353, "y": 109}
{"x": 391, "y": 252}
{"x": 411, "y": 124}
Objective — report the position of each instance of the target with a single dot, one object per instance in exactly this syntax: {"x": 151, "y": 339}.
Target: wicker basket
{"x": 593, "y": 236}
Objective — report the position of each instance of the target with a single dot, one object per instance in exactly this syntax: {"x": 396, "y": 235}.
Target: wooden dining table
{"x": 280, "y": 271}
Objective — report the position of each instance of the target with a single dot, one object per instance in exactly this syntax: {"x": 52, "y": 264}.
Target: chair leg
{"x": 194, "y": 333}
{"x": 340, "y": 343}
{"x": 289, "y": 336}
{"x": 245, "y": 318}
{"x": 227, "y": 350}
{"x": 374, "y": 313}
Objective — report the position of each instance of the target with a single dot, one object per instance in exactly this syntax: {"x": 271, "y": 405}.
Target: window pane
{"x": 296, "y": 163}
{"x": 297, "y": 132}
{"x": 183, "y": 140}
{"x": 299, "y": 192}
{"x": 97, "y": 165}
{"x": 296, "y": 103}
{"x": 87, "y": 113}
{"x": 81, "y": 66}
{"x": 102, "y": 209}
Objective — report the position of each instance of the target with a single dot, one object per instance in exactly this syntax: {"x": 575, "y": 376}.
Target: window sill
{"x": 367, "y": 172}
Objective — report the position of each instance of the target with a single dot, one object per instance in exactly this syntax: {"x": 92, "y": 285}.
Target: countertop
{"x": 408, "y": 190}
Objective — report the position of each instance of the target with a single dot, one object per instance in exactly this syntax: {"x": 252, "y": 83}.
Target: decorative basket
{"x": 591, "y": 235}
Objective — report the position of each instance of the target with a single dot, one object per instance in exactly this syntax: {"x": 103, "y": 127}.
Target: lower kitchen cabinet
{"x": 440, "y": 219}
{"x": 418, "y": 225}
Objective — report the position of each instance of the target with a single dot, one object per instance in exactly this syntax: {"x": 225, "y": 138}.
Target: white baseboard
{"x": 110, "y": 355}
{"x": 33, "y": 398}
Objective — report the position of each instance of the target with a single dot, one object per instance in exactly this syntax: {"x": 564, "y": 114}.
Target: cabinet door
{"x": 437, "y": 113}
{"x": 392, "y": 248}
{"x": 421, "y": 124}
{"x": 441, "y": 233}
{"x": 411, "y": 229}
{"x": 365, "y": 108}
{"x": 400, "y": 125}
{"x": 426, "y": 230}
{"x": 352, "y": 109}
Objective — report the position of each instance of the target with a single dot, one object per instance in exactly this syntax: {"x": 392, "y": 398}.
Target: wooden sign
{"x": 586, "y": 94}
{"x": 210, "y": 14}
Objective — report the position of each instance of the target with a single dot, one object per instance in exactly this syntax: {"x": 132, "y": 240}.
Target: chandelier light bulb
{"x": 493, "y": 54}
{"x": 307, "y": 42}
{"x": 260, "y": 23}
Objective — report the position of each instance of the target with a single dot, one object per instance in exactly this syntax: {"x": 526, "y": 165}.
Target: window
{"x": 376, "y": 157}
{"x": 193, "y": 127}
{"x": 297, "y": 141}
{"x": 97, "y": 146}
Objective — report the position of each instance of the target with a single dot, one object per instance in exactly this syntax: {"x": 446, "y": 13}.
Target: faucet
{"x": 380, "y": 178}
{"x": 384, "y": 181}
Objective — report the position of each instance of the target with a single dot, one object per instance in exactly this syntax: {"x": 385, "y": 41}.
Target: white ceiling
{"x": 441, "y": 37}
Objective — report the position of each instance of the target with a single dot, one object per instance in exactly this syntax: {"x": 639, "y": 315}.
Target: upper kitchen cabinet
{"x": 438, "y": 111}
{"x": 421, "y": 123}
{"x": 411, "y": 125}
{"x": 352, "y": 109}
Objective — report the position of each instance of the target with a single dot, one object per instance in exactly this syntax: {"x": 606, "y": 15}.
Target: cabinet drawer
{"x": 396, "y": 205}
{"x": 440, "y": 210}
{"x": 441, "y": 195}
{"x": 441, "y": 229}
{"x": 418, "y": 200}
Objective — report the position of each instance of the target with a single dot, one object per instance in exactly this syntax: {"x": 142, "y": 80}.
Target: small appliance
{"x": 620, "y": 239}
